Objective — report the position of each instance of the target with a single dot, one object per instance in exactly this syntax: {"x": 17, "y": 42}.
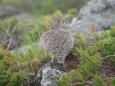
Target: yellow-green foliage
{"x": 41, "y": 25}
{"x": 14, "y": 67}
{"x": 90, "y": 58}
{"x": 98, "y": 81}
{"x": 72, "y": 12}
{"x": 16, "y": 80}
{"x": 24, "y": 32}
{"x": 112, "y": 82}
{"x": 8, "y": 24}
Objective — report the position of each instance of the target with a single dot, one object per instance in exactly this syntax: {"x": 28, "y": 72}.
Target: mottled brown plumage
{"x": 57, "y": 42}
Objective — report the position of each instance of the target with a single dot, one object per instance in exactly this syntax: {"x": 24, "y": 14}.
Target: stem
{"x": 108, "y": 56}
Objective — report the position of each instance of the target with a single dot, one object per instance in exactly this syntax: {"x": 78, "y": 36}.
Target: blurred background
{"x": 37, "y": 7}
{"x": 23, "y": 21}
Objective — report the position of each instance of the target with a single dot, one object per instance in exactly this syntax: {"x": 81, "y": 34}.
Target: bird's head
{"x": 57, "y": 23}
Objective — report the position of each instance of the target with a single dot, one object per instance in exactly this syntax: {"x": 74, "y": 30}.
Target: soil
{"x": 107, "y": 69}
{"x": 71, "y": 63}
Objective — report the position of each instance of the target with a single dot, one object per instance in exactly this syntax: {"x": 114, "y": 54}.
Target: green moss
{"x": 98, "y": 81}
{"x": 5, "y": 77}
{"x": 113, "y": 82}
{"x": 16, "y": 80}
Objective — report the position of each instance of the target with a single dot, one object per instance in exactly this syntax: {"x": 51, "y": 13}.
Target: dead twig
{"x": 9, "y": 44}
{"x": 110, "y": 78}
{"x": 79, "y": 83}
{"x": 108, "y": 56}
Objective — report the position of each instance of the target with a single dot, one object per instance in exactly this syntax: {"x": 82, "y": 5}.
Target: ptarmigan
{"x": 57, "y": 42}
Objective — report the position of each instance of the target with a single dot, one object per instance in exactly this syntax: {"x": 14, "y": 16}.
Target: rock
{"x": 24, "y": 49}
{"x": 25, "y": 16}
{"x": 48, "y": 74}
{"x": 98, "y": 13}
{"x": 6, "y": 11}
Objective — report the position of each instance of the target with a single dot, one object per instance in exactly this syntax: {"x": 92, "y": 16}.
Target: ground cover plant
{"x": 19, "y": 69}
{"x": 97, "y": 61}
{"x": 92, "y": 62}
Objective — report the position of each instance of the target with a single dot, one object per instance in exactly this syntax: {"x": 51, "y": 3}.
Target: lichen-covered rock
{"x": 49, "y": 76}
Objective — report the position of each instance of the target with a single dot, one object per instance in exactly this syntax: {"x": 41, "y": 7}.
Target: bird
{"x": 57, "y": 42}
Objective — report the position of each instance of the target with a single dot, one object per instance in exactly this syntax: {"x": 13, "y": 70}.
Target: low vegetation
{"x": 97, "y": 61}
{"x": 96, "y": 53}
{"x": 19, "y": 69}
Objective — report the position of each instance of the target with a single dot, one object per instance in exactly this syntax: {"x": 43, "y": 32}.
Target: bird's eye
{"x": 58, "y": 21}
